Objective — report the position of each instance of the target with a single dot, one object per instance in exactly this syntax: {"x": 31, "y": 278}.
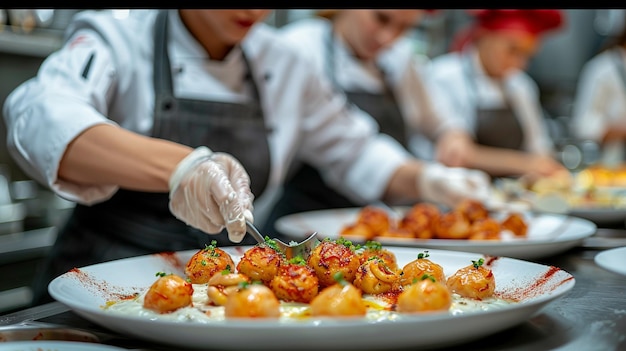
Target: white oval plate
{"x": 548, "y": 234}
{"x": 55, "y": 345}
{"x": 613, "y": 260}
{"x": 86, "y": 290}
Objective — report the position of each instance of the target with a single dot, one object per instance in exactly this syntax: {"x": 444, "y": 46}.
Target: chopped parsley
{"x": 423, "y": 254}
{"x": 160, "y": 274}
{"x": 478, "y": 263}
{"x": 299, "y": 260}
{"x": 373, "y": 245}
{"x": 226, "y": 270}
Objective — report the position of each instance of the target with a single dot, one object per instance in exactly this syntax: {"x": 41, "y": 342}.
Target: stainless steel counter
{"x": 592, "y": 316}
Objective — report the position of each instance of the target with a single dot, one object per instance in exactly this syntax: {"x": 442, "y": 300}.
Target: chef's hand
{"x": 450, "y": 185}
{"x": 210, "y": 191}
{"x": 454, "y": 148}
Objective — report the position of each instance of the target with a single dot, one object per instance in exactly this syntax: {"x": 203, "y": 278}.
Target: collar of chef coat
{"x": 187, "y": 55}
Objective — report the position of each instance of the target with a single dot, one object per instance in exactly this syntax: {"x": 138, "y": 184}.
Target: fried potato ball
{"x": 168, "y": 293}
{"x": 375, "y": 218}
{"x": 473, "y": 281}
{"x": 222, "y": 284}
{"x": 332, "y": 256}
{"x": 375, "y": 277}
{"x": 515, "y": 223}
{"x": 375, "y": 249}
{"x": 473, "y": 210}
{"x": 260, "y": 263}
{"x": 358, "y": 229}
{"x": 421, "y": 226}
{"x": 414, "y": 271}
{"x": 339, "y": 300}
{"x": 485, "y": 229}
{"x": 206, "y": 262}
{"x": 252, "y": 301}
{"x": 423, "y": 296}
{"x": 295, "y": 282}
{"x": 397, "y": 232}
{"x": 452, "y": 225}
{"x": 424, "y": 209}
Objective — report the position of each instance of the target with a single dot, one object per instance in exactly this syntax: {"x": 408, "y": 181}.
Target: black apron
{"x": 619, "y": 63}
{"x": 134, "y": 223}
{"x": 495, "y": 127}
{"x": 306, "y": 190}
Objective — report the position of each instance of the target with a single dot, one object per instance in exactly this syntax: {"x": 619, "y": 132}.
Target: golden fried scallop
{"x": 425, "y": 295}
{"x": 358, "y": 229}
{"x": 515, "y": 223}
{"x": 421, "y": 226}
{"x": 422, "y": 265}
{"x": 222, "y": 284}
{"x": 252, "y": 301}
{"x": 261, "y": 263}
{"x": 473, "y": 210}
{"x": 295, "y": 282}
{"x": 375, "y": 249}
{"x": 206, "y": 262}
{"x": 375, "y": 277}
{"x": 397, "y": 232}
{"x": 485, "y": 229}
{"x": 168, "y": 293}
{"x": 423, "y": 209}
{"x": 375, "y": 218}
{"x": 473, "y": 281}
{"x": 333, "y": 256}
{"x": 452, "y": 225}
{"x": 341, "y": 299}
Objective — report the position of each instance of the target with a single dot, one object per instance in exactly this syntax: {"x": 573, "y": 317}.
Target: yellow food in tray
{"x": 593, "y": 187}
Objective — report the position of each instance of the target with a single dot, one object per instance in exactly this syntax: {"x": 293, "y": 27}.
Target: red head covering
{"x": 535, "y": 22}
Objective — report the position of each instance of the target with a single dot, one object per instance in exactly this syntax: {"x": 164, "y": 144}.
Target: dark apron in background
{"x": 134, "y": 223}
{"x": 306, "y": 189}
{"x": 619, "y": 64}
{"x": 495, "y": 127}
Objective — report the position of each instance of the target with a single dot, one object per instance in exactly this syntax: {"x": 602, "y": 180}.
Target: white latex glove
{"x": 450, "y": 185}
{"x": 210, "y": 191}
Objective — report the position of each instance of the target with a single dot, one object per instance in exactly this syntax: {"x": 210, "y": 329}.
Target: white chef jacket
{"x": 448, "y": 77}
{"x": 308, "y": 120}
{"x": 403, "y": 72}
{"x": 600, "y": 97}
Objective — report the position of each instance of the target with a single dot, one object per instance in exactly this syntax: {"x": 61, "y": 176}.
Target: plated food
{"x": 529, "y": 285}
{"x": 338, "y": 279}
{"x": 469, "y": 220}
{"x": 546, "y": 234}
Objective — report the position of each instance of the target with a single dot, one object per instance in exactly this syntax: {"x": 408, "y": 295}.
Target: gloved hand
{"x": 449, "y": 185}
{"x": 210, "y": 191}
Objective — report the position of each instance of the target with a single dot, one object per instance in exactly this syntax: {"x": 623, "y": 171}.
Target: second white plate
{"x": 548, "y": 234}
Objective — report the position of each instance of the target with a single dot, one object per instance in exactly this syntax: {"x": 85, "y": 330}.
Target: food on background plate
{"x": 595, "y": 187}
{"x": 374, "y": 289}
{"x": 469, "y": 220}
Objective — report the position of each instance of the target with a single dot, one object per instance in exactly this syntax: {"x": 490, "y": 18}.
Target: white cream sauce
{"x": 202, "y": 312}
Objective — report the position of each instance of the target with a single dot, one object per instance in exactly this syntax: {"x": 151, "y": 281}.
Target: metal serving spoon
{"x": 291, "y": 250}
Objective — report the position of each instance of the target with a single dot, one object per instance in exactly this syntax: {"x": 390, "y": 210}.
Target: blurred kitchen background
{"x": 31, "y": 214}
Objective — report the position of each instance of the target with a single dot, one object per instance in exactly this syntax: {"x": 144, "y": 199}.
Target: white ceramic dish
{"x": 55, "y": 345}
{"x": 613, "y": 260}
{"x": 86, "y": 290}
{"x": 548, "y": 234}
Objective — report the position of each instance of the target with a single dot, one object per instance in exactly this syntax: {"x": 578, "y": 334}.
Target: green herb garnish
{"x": 373, "y": 245}
{"x": 160, "y": 274}
{"x": 428, "y": 276}
{"x": 478, "y": 263}
{"x": 338, "y": 277}
{"x": 299, "y": 260}
{"x": 423, "y": 254}
{"x": 226, "y": 270}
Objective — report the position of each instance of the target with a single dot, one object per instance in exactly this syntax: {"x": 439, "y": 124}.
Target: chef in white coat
{"x": 166, "y": 124}
{"x": 368, "y": 57}
{"x": 484, "y": 84}
{"x": 599, "y": 111}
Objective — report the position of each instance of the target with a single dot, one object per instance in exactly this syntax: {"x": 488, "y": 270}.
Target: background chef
{"x": 484, "y": 85}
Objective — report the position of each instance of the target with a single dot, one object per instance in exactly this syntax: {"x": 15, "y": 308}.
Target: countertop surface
{"x": 592, "y": 316}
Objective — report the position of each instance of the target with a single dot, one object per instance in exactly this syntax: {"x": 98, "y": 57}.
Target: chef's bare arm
{"x": 106, "y": 154}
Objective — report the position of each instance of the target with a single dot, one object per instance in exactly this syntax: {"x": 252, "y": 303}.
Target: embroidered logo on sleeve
{"x": 79, "y": 40}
